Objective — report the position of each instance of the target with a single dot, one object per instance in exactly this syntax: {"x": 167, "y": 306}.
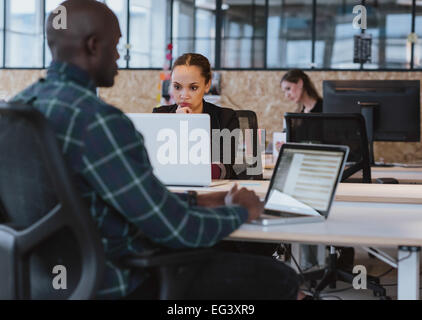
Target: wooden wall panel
{"x": 136, "y": 91}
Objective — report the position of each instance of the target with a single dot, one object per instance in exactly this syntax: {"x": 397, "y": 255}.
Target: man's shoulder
{"x": 27, "y": 94}
{"x": 65, "y": 98}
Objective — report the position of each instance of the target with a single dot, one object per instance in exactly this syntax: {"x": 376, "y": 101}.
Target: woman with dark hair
{"x": 190, "y": 81}
{"x": 298, "y": 87}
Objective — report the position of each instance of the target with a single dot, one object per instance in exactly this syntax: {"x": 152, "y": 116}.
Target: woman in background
{"x": 190, "y": 81}
{"x": 298, "y": 87}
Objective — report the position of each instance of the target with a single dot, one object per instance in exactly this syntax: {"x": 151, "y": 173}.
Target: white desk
{"x": 363, "y": 215}
{"x": 354, "y": 192}
{"x": 358, "y": 223}
{"x": 404, "y": 175}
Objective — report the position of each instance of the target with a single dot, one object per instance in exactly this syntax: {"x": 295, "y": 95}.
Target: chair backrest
{"x": 49, "y": 245}
{"x": 247, "y": 119}
{"x": 337, "y": 129}
{"x": 248, "y": 123}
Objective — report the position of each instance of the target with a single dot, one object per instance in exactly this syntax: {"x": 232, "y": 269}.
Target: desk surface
{"x": 411, "y": 174}
{"x": 363, "y": 214}
{"x": 353, "y": 192}
{"x": 365, "y": 224}
{"x": 373, "y": 215}
{"x": 403, "y": 174}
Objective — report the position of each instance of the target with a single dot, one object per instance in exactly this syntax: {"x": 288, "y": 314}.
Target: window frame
{"x": 218, "y": 41}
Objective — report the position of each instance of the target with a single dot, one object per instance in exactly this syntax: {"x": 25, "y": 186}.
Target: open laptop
{"x": 303, "y": 184}
{"x": 178, "y": 146}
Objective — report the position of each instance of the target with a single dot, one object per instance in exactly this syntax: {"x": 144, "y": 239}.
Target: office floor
{"x": 374, "y": 267}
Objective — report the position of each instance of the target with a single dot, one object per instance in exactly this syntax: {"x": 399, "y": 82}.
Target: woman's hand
{"x": 183, "y": 109}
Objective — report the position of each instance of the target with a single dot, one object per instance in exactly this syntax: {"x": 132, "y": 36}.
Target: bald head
{"x": 92, "y": 33}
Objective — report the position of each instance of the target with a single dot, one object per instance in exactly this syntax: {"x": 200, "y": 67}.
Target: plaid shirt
{"x": 133, "y": 210}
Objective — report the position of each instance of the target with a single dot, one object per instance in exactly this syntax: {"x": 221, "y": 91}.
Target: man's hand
{"x": 211, "y": 200}
{"x": 183, "y": 109}
{"x": 247, "y": 199}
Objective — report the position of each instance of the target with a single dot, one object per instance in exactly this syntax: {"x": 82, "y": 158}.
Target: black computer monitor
{"x": 391, "y": 108}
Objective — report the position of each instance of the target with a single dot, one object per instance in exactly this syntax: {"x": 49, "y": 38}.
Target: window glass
{"x": 390, "y": 25}
{"x": 205, "y": 29}
{"x": 24, "y": 33}
{"x": 183, "y": 27}
{"x": 289, "y": 28}
{"x": 418, "y": 45}
{"x": 335, "y": 33}
{"x": 119, "y": 8}
{"x": 50, "y": 5}
{"x": 1, "y": 33}
{"x": 148, "y": 40}
{"x": 243, "y": 38}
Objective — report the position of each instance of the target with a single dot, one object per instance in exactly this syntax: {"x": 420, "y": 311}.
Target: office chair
{"x": 165, "y": 90}
{"x": 43, "y": 221}
{"x": 249, "y": 121}
{"x": 336, "y": 129}
{"x": 171, "y": 269}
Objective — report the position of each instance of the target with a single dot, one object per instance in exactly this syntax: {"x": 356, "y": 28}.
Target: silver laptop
{"x": 303, "y": 184}
{"x": 178, "y": 146}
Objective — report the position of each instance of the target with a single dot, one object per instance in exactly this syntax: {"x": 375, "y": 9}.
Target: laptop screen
{"x": 309, "y": 175}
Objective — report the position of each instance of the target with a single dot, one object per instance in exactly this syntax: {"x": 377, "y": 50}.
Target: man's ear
{"x": 91, "y": 45}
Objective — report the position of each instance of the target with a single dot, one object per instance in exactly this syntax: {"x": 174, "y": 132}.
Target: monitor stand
{"x": 367, "y": 111}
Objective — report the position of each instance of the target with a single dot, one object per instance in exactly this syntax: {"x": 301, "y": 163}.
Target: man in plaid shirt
{"x": 133, "y": 210}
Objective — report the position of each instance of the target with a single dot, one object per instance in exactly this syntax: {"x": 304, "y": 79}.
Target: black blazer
{"x": 221, "y": 118}
{"x": 317, "y": 107}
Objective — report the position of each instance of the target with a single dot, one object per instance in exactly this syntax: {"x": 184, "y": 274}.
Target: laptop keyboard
{"x": 283, "y": 214}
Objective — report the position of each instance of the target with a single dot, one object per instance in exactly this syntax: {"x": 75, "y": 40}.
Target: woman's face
{"x": 292, "y": 91}
{"x": 188, "y": 87}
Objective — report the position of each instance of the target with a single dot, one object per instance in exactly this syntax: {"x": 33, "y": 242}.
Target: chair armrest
{"x": 168, "y": 258}
{"x": 387, "y": 181}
